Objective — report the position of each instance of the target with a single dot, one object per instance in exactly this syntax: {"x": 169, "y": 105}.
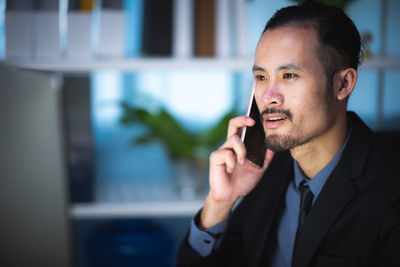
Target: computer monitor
{"x": 34, "y": 228}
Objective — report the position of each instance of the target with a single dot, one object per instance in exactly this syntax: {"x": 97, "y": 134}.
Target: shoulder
{"x": 385, "y": 163}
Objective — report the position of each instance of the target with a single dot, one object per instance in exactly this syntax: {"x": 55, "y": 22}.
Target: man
{"x": 327, "y": 194}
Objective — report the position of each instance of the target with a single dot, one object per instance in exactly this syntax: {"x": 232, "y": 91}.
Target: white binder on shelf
{"x": 183, "y": 29}
{"x": 223, "y": 48}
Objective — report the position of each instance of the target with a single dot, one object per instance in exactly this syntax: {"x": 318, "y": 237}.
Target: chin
{"x": 278, "y": 143}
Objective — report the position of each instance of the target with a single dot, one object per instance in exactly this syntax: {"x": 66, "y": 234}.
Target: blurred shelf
{"x": 140, "y": 64}
{"x": 135, "y": 210}
{"x": 137, "y": 64}
{"x": 381, "y": 63}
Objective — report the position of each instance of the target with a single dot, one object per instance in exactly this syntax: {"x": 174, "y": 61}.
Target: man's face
{"x": 291, "y": 90}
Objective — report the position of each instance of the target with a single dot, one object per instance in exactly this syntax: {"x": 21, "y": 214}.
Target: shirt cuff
{"x": 204, "y": 242}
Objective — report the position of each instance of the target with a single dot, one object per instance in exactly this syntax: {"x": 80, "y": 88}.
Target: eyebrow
{"x": 290, "y": 67}
{"x": 283, "y": 67}
{"x": 256, "y": 68}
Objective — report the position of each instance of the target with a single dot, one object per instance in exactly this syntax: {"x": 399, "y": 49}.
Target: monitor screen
{"x": 33, "y": 199}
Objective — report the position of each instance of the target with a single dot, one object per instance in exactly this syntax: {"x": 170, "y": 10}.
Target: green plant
{"x": 179, "y": 142}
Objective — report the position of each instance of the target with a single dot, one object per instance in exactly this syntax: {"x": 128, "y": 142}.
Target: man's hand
{"x": 231, "y": 174}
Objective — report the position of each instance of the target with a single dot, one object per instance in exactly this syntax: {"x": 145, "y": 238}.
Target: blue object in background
{"x": 129, "y": 242}
{"x": 2, "y": 29}
{"x": 391, "y": 97}
{"x": 133, "y": 34}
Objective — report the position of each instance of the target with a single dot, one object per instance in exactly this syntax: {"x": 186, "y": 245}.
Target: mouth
{"x": 274, "y": 120}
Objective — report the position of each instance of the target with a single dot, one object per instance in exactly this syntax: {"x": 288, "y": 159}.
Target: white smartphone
{"x": 254, "y": 137}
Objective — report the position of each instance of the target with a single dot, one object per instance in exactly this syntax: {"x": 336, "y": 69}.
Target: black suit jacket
{"x": 355, "y": 221}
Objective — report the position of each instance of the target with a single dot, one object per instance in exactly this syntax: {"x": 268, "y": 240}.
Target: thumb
{"x": 269, "y": 155}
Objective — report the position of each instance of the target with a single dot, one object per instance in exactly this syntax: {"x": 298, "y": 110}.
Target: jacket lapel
{"x": 336, "y": 194}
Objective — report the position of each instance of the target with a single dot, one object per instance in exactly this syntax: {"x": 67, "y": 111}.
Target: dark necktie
{"x": 306, "y": 197}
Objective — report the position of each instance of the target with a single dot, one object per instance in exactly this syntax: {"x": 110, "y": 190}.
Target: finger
{"x": 269, "y": 155}
{"x": 224, "y": 156}
{"x": 239, "y": 122}
{"x": 235, "y": 143}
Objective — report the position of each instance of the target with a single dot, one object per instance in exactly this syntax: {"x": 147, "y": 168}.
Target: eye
{"x": 260, "y": 77}
{"x": 289, "y": 75}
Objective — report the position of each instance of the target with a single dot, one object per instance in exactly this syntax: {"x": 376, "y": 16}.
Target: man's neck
{"x": 316, "y": 154}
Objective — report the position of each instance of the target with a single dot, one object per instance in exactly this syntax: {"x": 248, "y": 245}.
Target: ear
{"x": 347, "y": 82}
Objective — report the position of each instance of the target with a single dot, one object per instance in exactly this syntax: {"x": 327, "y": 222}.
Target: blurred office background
{"x": 109, "y": 110}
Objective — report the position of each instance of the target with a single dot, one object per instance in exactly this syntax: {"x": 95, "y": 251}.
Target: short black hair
{"x": 339, "y": 40}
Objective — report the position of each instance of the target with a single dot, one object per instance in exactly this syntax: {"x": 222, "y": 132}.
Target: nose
{"x": 272, "y": 97}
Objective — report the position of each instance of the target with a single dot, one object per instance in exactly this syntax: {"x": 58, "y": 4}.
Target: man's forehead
{"x": 286, "y": 42}
{"x": 286, "y": 47}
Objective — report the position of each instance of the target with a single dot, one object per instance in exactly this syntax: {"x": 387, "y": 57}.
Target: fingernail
{"x": 249, "y": 120}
